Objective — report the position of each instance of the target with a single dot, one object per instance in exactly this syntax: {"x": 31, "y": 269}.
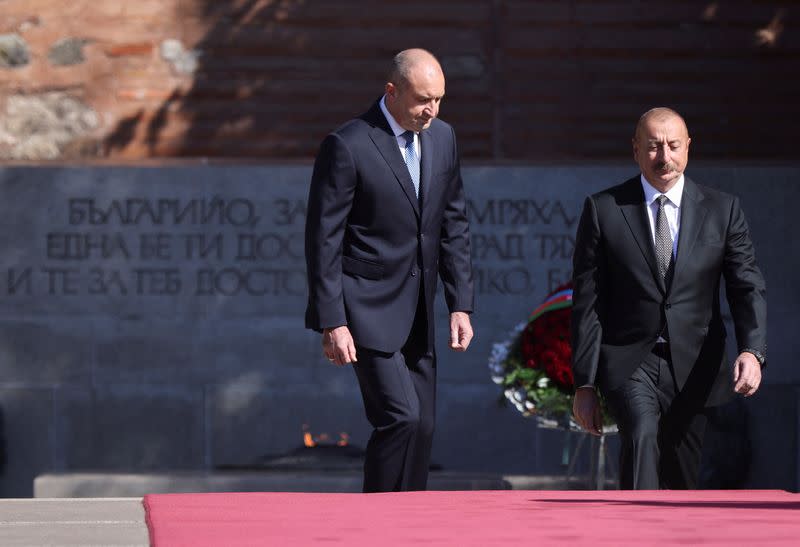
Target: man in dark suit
{"x": 646, "y": 325}
{"x": 386, "y": 214}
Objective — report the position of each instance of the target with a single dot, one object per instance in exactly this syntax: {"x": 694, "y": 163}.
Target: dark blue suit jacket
{"x": 371, "y": 245}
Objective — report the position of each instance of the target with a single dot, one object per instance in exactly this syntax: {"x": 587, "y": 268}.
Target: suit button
{"x": 413, "y": 273}
{"x": 667, "y": 305}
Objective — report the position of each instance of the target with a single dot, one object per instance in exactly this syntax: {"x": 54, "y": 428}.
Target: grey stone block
{"x": 13, "y": 51}
{"x": 149, "y": 352}
{"x": 64, "y": 523}
{"x": 273, "y": 351}
{"x": 78, "y": 485}
{"x": 68, "y": 51}
{"x": 43, "y": 352}
{"x": 279, "y": 351}
{"x": 135, "y": 427}
{"x": 74, "y": 427}
{"x": 28, "y": 438}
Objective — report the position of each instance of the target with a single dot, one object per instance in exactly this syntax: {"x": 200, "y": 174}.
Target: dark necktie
{"x": 663, "y": 242}
{"x": 412, "y": 161}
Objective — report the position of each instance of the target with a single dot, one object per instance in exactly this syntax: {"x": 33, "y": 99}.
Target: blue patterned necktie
{"x": 412, "y": 161}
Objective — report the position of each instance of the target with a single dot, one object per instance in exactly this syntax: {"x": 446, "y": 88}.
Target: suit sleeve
{"x": 455, "y": 262}
{"x": 744, "y": 284}
{"x": 587, "y": 262}
{"x": 330, "y": 199}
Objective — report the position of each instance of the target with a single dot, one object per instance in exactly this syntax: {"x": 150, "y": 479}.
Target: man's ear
{"x": 390, "y": 90}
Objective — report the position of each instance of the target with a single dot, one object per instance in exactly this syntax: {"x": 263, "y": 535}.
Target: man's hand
{"x": 460, "y": 331}
{"x": 338, "y": 345}
{"x": 746, "y": 374}
{"x": 586, "y": 409}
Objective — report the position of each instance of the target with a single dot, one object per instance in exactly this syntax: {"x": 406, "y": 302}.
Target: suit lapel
{"x": 633, "y": 209}
{"x": 693, "y": 212}
{"x": 381, "y": 134}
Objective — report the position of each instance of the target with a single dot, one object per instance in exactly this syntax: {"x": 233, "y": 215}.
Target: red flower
{"x": 562, "y": 376}
{"x": 545, "y": 345}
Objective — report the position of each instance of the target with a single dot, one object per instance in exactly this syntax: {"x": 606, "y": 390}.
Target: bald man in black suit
{"x": 650, "y": 255}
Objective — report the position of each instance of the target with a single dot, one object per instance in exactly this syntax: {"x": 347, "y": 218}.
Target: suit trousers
{"x": 398, "y": 390}
{"x": 660, "y": 432}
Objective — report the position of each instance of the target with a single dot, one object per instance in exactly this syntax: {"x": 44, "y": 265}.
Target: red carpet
{"x": 763, "y": 517}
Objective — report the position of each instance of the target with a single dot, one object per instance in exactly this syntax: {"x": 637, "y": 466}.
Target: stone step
{"x": 102, "y": 484}
{"x": 72, "y": 522}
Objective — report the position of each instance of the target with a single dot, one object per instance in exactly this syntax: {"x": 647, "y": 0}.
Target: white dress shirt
{"x": 672, "y": 208}
{"x": 398, "y": 131}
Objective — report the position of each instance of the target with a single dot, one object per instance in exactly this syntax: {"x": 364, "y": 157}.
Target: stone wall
{"x": 152, "y": 318}
{"x": 536, "y": 80}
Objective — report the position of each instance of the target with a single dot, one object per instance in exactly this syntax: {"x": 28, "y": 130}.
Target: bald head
{"x": 658, "y": 114}
{"x": 415, "y": 89}
{"x": 661, "y": 147}
{"x": 409, "y": 61}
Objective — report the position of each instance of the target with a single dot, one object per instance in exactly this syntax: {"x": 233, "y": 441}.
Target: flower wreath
{"x": 533, "y": 364}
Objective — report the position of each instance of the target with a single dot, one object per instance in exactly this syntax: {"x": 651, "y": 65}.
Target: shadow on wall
{"x": 269, "y": 78}
{"x": 263, "y": 84}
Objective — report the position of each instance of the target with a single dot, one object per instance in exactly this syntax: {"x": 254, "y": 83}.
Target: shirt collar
{"x": 674, "y": 194}
{"x": 396, "y": 128}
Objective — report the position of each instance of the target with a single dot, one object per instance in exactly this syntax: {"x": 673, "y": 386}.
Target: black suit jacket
{"x": 371, "y": 245}
{"x": 620, "y": 303}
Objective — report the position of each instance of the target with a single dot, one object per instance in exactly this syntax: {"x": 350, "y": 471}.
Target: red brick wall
{"x": 527, "y": 80}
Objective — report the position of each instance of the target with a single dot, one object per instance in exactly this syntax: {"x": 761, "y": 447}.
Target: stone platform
{"x": 61, "y": 522}
{"x": 103, "y": 484}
